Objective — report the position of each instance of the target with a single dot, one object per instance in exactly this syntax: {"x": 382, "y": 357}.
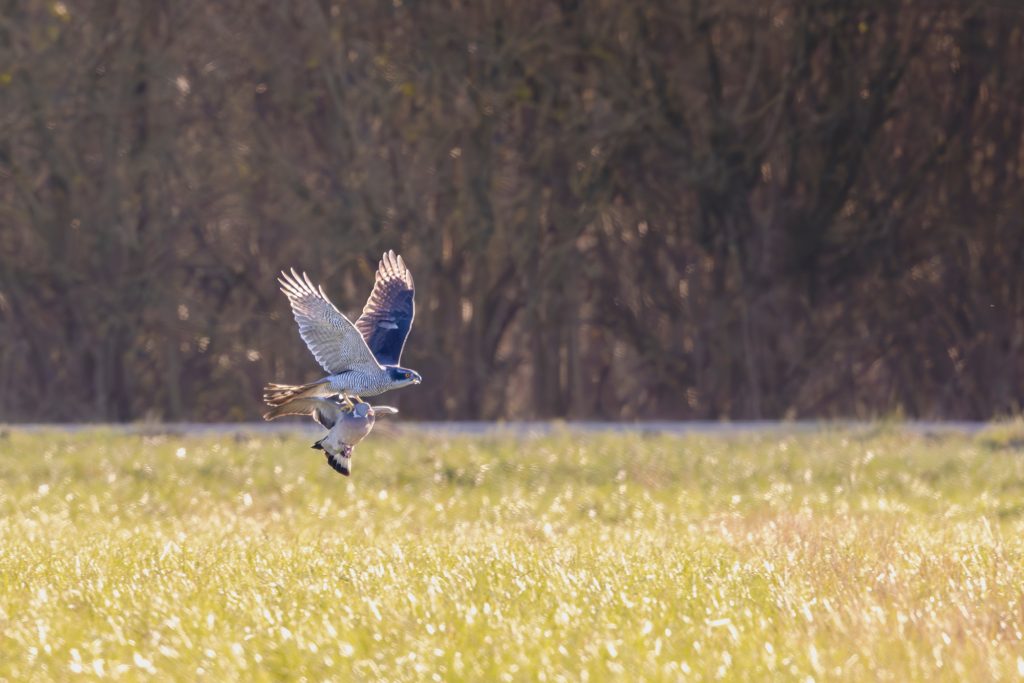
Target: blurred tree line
{"x": 668, "y": 208}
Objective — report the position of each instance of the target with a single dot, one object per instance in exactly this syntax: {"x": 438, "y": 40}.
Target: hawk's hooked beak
{"x": 416, "y": 379}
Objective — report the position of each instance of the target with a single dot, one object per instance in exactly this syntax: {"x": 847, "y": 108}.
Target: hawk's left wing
{"x": 331, "y": 337}
{"x": 389, "y": 311}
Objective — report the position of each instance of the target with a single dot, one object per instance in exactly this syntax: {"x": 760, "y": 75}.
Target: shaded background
{"x": 612, "y": 209}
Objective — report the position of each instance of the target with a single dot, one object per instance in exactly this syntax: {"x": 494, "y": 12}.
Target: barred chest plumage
{"x": 359, "y": 383}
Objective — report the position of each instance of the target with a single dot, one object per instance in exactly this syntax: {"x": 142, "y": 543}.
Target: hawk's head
{"x": 403, "y": 376}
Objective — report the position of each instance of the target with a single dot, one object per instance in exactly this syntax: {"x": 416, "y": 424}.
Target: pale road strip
{"x": 522, "y": 428}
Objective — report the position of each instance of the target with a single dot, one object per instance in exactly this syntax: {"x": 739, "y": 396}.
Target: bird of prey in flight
{"x": 347, "y": 425}
{"x": 361, "y": 359}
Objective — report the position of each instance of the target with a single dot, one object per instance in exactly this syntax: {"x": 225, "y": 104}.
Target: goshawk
{"x": 361, "y": 359}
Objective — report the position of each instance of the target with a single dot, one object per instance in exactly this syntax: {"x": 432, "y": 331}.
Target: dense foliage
{"x": 677, "y": 208}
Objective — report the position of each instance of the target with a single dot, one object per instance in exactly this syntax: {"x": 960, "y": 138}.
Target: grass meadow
{"x": 840, "y": 555}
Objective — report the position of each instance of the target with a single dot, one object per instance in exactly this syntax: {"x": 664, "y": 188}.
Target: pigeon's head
{"x": 361, "y": 410}
{"x": 400, "y": 377}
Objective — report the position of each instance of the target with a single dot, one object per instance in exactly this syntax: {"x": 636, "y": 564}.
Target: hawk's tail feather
{"x": 279, "y": 394}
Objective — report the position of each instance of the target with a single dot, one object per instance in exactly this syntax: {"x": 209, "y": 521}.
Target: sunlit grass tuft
{"x": 835, "y": 556}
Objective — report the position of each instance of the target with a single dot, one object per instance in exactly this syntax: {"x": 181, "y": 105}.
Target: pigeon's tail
{"x": 339, "y": 462}
{"x": 278, "y": 395}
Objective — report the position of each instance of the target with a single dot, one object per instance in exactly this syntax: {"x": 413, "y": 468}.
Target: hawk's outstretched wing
{"x": 331, "y": 337}
{"x": 389, "y": 311}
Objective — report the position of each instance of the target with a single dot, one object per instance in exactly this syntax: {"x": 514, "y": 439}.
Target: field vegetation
{"x": 840, "y": 555}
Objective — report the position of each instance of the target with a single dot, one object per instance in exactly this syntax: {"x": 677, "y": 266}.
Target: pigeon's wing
{"x": 324, "y": 410}
{"x": 327, "y": 416}
{"x": 331, "y": 337}
{"x": 385, "y": 410}
{"x": 389, "y": 311}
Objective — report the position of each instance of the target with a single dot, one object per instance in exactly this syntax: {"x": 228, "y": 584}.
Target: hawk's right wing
{"x": 331, "y": 337}
{"x": 387, "y": 316}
